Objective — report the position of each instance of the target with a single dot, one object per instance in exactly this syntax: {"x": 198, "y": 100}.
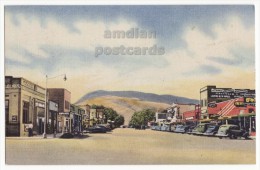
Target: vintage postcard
{"x": 130, "y": 84}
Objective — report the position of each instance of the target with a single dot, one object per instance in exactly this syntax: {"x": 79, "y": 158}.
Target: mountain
{"x": 126, "y": 103}
{"x": 125, "y": 106}
{"x": 168, "y": 99}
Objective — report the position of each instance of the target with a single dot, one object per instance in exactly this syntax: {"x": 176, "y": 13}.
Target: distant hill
{"x": 168, "y": 99}
{"x": 125, "y": 106}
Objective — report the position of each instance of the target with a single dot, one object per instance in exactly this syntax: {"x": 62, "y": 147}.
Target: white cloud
{"x": 169, "y": 79}
{"x": 31, "y": 35}
{"x": 16, "y": 56}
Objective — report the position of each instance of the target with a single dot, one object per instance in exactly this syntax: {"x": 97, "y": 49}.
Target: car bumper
{"x": 208, "y": 134}
{"x": 221, "y": 135}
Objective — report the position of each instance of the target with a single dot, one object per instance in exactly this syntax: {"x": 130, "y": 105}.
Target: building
{"x": 24, "y": 106}
{"x": 53, "y": 111}
{"x": 77, "y": 114}
{"x": 100, "y": 116}
{"x": 192, "y": 116}
{"x": 240, "y": 111}
{"x": 211, "y": 94}
{"x": 93, "y": 117}
{"x": 173, "y": 114}
{"x": 62, "y": 97}
{"x": 86, "y": 116}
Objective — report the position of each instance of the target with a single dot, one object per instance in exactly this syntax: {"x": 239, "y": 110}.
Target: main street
{"x": 129, "y": 146}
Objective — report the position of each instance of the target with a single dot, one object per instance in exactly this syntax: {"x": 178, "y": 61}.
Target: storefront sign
{"x": 53, "y": 106}
{"x": 212, "y": 105}
{"x": 249, "y": 100}
{"x": 189, "y": 118}
{"x": 239, "y": 104}
{"x": 64, "y": 113}
{"x": 14, "y": 118}
{"x": 27, "y": 84}
{"x": 13, "y": 86}
{"x": 38, "y": 104}
{"x": 230, "y": 93}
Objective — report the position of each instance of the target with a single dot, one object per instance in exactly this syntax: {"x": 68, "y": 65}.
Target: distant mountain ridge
{"x": 168, "y": 99}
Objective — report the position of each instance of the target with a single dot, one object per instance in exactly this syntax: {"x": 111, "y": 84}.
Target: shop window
{"x": 67, "y": 105}
{"x": 6, "y": 111}
{"x": 251, "y": 110}
{"x": 25, "y": 112}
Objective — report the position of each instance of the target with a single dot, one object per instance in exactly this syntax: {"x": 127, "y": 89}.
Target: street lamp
{"x": 46, "y": 101}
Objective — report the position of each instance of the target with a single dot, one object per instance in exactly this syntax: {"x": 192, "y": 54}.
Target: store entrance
{"x": 40, "y": 126}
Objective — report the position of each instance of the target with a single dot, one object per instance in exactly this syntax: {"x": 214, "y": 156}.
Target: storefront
{"x": 24, "y": 106}
{"x": 62, "y": 98}
{"x": 236, "y": 111}
{"x": 52, "y": 117}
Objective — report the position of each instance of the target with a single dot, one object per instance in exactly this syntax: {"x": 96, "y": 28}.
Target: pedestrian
{"x": 30, "y": 130}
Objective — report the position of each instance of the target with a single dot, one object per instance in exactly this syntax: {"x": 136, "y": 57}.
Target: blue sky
{"x": 203, "y": 45}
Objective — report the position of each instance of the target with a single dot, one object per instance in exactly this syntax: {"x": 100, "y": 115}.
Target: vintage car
{"x": 165, "y": 127}
{"x": 176, "y": 128}
{"x": 107, "y": 127}
{"x": 212, "y": 130}
{"x": 190, "y": 129}
{"x": 182, "y": 129}
{"x": 234, "y": 133}
{"x": 96, "y": 129}
{"x": 231, "y": 131}
{"x": 200, "y": 129}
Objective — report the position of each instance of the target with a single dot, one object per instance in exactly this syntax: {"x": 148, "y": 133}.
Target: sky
{"x": 203, "y": 45}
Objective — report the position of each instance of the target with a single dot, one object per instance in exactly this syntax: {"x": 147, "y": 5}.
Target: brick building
{"x": 62, "y": 97}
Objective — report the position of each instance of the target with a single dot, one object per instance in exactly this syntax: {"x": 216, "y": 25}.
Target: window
{"x": 25, "y": 112}
{"x": 251, "y": 110}
{"x": 161, "y": 116}
{"x": 67, "y": 104}
{"x": 6, "y": 111}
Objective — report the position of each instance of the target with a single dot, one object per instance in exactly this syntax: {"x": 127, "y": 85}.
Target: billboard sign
{"x": 230, "y": 93}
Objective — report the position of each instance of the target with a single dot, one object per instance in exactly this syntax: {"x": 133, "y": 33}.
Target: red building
{"x": 192, "y": 115}
{"x": 240, "y": 111}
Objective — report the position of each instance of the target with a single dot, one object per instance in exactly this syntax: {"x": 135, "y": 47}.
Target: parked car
{"x": 190, "y": 129}
{"x": 231, "y": 131}
{"x": 212, "y": 130}
{"x": 200, "y": 129}
{"x": 239, "y": 133}
{"x": 165, "y": 128}
{"x": 182, "y": 129}
{"x": 107, "y": 127}
{"x": 157, "y": 128}
{"x": 96, "y": 129}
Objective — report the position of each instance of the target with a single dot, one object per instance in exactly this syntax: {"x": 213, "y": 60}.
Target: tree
{"x": 110, "y": 114}
{"x": 97, "y": 106}
{"x": 119, "y": 120}
{"x": 142, "y": 117}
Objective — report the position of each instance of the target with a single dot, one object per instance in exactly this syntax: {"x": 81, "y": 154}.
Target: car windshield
{"x": 211, "y": 127}
{"x": 227, "y": 127}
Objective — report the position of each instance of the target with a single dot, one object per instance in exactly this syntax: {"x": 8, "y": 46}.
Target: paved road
{"x": 129, "y": 146}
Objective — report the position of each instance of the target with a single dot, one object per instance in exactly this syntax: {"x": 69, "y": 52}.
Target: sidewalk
{"x": 49, "y": 136}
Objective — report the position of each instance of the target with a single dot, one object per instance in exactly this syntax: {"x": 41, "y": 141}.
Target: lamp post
{"x": 46, "y": 102}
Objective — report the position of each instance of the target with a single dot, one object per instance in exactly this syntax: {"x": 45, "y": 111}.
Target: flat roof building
{"x": 24, "y": 106}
